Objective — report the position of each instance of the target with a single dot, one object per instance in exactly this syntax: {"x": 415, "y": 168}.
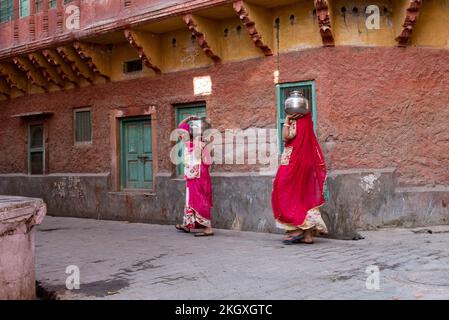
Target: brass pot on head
{"x": 296, "y": 104}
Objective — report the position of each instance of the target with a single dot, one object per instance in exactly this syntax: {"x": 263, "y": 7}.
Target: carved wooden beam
{"x": 255, "y": 19}
{"x": 77, "y": 65}
{"x": 96, "y": 57}
{"x": 200, "y": 27}
{"x": 13, "y": 77}
{"x": 62, "y": 68}
{"x": 411, "y": 17}
{"x": 324, "y": 22}
{"x": 32, "y": 74}
{"x": 147, "y": 47}
{"x": 46, "y": 70}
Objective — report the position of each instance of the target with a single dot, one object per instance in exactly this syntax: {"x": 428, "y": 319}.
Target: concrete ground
{"x": 119, "y": 260}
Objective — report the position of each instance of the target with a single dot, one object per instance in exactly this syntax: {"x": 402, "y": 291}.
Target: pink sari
{"x": 197, "y": 209}
{"x": 299, "y": 183}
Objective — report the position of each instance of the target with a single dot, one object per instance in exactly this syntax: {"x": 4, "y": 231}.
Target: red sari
{"x": 197, "y": 209}
{"x": 299, "y": 183}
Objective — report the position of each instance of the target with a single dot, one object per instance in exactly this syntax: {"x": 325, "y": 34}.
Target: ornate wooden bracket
{"x": 46, "y": 70}
{"x": 324, "y": 22}
{"x": 62, "y": 69}
{"x": 96, "y": 57}
{"x": 146, "y": 46}
{"x": 199, "y": 27}
{"x": 12, "y": 78}
{"x": 32, "y": 74}
{"x": 411, "y": 17}
{"x": 77, "y": 65}
{"x": 249, "y": 21}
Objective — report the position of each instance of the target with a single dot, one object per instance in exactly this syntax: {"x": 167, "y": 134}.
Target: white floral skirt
{"x": 313, "y": 222}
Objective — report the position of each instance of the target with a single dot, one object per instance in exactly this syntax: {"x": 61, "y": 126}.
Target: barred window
{"x": 83, "y": 125}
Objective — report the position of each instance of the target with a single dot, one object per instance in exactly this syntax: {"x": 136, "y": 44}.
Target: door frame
{"x": 123, "y": 121}
{"x": 179, "y": 171}
{"x": 42, "y": 123}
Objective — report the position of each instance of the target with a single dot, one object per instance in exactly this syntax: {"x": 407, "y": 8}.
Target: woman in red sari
{"x": 198, "y": 203}
{"x": 299, "y": 183}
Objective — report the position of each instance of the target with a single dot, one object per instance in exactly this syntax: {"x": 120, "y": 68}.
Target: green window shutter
{"x": 6, "y": 10}
{"x": 83, "y": 126}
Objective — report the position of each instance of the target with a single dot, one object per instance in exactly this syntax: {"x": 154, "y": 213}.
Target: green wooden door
{"x": 181, "y": 114}
{"x": 137, "y": 156}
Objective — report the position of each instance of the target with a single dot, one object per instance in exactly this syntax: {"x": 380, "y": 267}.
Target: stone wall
{"x": 358, "y": 199}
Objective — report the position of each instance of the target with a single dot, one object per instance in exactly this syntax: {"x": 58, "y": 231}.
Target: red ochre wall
{"x": 382, "y": 107}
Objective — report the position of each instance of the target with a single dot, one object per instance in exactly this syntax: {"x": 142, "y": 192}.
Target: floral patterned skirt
{"x": 313, "y": 222}
{"x": 192, "y": 219}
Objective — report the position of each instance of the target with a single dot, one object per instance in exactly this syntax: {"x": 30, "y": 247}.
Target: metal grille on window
{"x": 83, "y": 126}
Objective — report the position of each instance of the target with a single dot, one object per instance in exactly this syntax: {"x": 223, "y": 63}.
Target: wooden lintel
{"x": 254, "y": 19}
{"x": 147, "y": 48}
{"x": 205, "y": 33}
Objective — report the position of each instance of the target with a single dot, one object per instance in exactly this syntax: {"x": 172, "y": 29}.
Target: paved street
{"x": 119, "y": 260}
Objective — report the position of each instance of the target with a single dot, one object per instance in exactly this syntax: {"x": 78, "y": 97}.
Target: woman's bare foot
{"x": 308, "y": 237}
{"x": 205, "y": 233}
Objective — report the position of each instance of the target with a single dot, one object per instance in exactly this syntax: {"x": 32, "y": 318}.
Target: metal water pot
{"x": 296, "y": 103}
{"x": 198, "y": 126}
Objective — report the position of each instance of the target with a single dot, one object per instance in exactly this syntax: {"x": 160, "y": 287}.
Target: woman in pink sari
{"x": 198, "y": 203}
{"x": 299, "y": 183}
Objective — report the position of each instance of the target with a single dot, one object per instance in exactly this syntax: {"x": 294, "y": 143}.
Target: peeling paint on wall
{"x": 69, "y": 187}
{"x": 368, "y": 183}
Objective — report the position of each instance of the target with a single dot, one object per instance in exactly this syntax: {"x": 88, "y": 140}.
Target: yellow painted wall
{"x": 211, "y": 30}
{"x": 237, "y": 45}
{"x": 350, "y": 28}
{"x": 432, "y": 29}
{"x": 120, "y": 54}
{"x": 303, "y": 33}
{"x": 187, "y": 54}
